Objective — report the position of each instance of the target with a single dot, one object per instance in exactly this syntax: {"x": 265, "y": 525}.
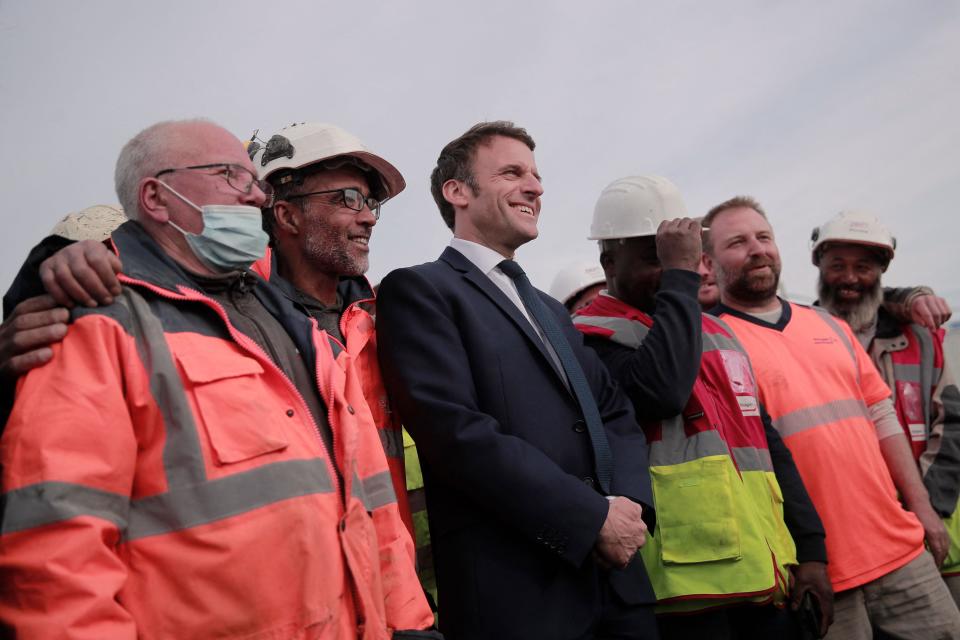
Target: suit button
{"x": 579, "y": 426}
{"x": 350, "y": 409}
{"x": 289, "y": 413}
{"x": 589, "y": 481}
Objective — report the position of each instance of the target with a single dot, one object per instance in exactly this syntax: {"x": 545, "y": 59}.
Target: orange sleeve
{"x": 68, "y": 456}
{"x": 405, "y": 605}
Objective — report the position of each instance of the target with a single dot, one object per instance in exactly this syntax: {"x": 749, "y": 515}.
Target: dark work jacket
{"x": 508, "y": 465}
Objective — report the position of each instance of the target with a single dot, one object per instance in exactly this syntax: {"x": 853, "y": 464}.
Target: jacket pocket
{"x": 695, "y": 515}
{"x": 228, "y": 392}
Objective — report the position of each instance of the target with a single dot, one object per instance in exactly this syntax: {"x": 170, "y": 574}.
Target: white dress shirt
{"x": 486, "y": 260}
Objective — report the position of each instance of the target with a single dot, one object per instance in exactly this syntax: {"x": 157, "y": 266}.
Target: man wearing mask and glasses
{"x": 329, "y": 189}
{"x": 197, "y": 460}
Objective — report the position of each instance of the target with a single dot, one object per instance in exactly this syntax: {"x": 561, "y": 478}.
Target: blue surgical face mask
{"x": 232, "y": 238}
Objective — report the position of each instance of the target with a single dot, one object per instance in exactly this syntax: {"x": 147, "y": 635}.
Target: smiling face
{"x": 744, "y": 258}
{"x": 849, "y": 283}
{"x": 334, "y": 238}
{"x": 501, "y": 210}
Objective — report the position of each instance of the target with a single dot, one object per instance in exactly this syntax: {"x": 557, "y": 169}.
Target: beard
{"x": 748, "y": 287}
{"x": 329, "y": 249}
{"x": 859, "y": 314}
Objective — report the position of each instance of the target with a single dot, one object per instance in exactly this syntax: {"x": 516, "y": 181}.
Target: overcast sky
{"x": 809, "y": 107}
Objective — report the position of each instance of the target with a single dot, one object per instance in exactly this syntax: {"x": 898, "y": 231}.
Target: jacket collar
{"x": 780, "y": 325}
{"x": 470, "y": 272}
{"x": 352, "y": 289}
{"x": 144, "y": 260}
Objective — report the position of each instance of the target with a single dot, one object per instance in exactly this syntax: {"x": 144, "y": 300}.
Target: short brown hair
{"x": 735, "y": 202}
{"x": 456, "y": 159}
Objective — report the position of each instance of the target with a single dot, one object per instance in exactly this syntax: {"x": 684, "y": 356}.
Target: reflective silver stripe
{"x": 182, "y": 456}
{"x": 45, "y": 503}
{"x": 225, "y": 497}
{"x": 629, "y": 333}
{"x": 830, "y": 320}
{"x": 676, "y": 447}
{"x": 803, "y": 419}
{"x": 752, "y": 459}
{"x": 719, "y": 342}
{"x": 926, "y": 368}
{"x": 906, "y": 372}
{"x": 375, "y": 491}
{"x": 392, "y": 441}
{"x": 50, "y": 502}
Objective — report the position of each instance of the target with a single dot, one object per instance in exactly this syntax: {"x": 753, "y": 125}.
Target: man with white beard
{"x": 852, "y": 251}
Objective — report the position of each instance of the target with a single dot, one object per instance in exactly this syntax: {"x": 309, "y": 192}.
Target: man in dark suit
{"x": 534, "y": 466}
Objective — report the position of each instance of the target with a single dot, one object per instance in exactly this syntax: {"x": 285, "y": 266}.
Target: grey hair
{"x": 144, "y": 155}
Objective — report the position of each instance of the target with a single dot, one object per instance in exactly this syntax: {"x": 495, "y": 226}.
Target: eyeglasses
{"x": 240, "y": 178}
{"x": 352, "y": 199}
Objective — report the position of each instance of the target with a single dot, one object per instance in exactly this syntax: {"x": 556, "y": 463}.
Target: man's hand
{"x": 83, "y": 273}
{"x": 930, "y": 311}
{"x": 935, "y": 533}
{"x": 812, "y": 577}
{"x": 678, "y": 244}
{"x": 26, "y": 336}
{"x": 622, "y": 534}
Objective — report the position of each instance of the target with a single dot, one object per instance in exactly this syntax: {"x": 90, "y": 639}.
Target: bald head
{"x": 173, "y": 143}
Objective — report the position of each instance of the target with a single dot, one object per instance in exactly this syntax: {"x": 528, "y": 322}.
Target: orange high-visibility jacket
{"x": 162, "y": 478}
{"x": 357, "y": 328}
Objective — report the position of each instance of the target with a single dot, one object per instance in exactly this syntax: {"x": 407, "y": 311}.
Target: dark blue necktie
{"x": 578, "y": 381}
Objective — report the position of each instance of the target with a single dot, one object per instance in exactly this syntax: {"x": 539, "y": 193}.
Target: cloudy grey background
{"x": 810, "y": 107}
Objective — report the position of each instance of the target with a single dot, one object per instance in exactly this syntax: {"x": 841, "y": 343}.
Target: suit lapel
{"x": 470, "y": 272}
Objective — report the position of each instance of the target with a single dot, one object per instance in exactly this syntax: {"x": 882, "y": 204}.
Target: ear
{"x": 707, "y": 261}
{"x": 456, "y": 192}
{"x": 287, "y": 217}
{"x": 608, "y": 261}
{"x": 153, "y": 200}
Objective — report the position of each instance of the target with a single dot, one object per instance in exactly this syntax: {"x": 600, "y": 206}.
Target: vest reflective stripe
{"x": 50, "y": 502}
{"x": 926, "y": 370}
{"x": 375, "y": 491}
{"x": 907, "y": 372}
{"x": 675, "y": 447}
{"x": 844, "y": 338}
{"x": 676, "y": 450}
{"x": 182, "y": 456}
{"x": 752, "y": 459}
{"x": 392, "y": 441}
{"x": 809, "y": 417}
{"x": 720, "y": 342}
{"x": 622, "y": 331}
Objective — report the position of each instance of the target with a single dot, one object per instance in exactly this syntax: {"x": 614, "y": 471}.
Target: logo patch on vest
{"x": 738, "y": 370}
{"x": 748, "y": 405}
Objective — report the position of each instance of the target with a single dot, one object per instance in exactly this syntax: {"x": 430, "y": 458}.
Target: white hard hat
{"x": 93, "y": 223}
{"x": 635, "y": 206}
{"x": 853, "y": 227}
{"x": 305, "y": 143}
{"x": 574, "y": 278}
